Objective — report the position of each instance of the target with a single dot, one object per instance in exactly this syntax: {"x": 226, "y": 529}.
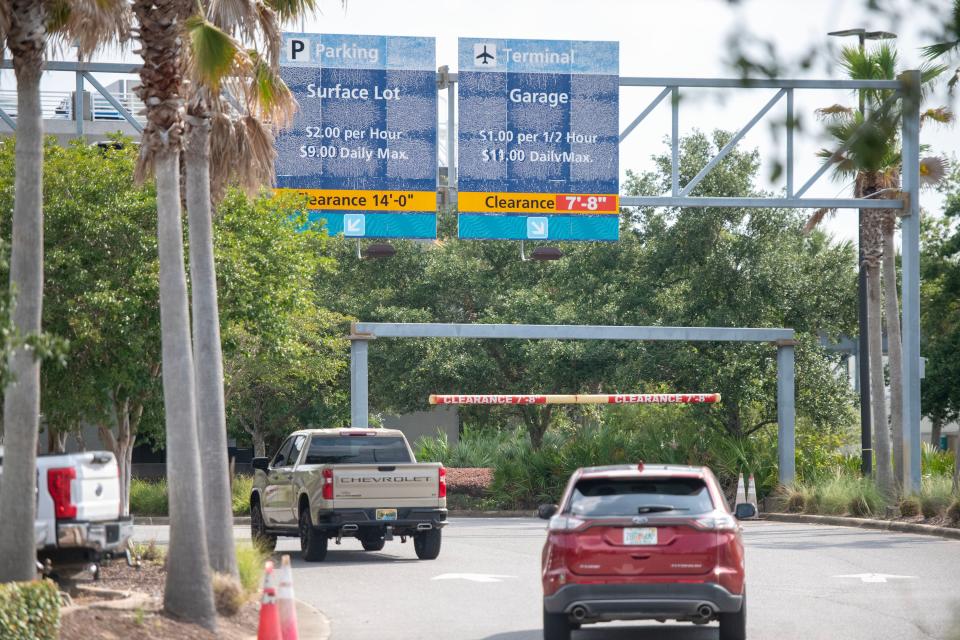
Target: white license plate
{"x": 386, "y": 514}
{"x": 640, "y": 535}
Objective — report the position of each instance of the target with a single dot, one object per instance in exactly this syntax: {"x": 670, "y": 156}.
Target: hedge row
{"x": 29, "y": 611}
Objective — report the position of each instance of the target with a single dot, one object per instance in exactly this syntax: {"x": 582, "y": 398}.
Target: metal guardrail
{"x": 60, "y": 105}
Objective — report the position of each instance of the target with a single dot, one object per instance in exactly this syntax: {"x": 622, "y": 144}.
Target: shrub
{"x": 935, "y": 461}
{"x": 842, "y": 493}
{"x": 936, "y": 494}
{"x": 29, "y": 611}
{"x": 229, "y": 594}
{"x": 242, "y": 488}
{"x": 250, "y": 566}
{"x": 910, "y": 506}
{"x": 795, "y": 502}
{"x": 148, "y": 497}
{"x": 149, "y": 551}
{"x": 953, "y": 513}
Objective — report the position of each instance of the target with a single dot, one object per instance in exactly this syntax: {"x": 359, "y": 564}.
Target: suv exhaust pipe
{"x": 705, "y": 612}
{"x": 579, "y": 613}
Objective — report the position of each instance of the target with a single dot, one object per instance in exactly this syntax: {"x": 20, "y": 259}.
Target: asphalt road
{"x": 804, "y": 582}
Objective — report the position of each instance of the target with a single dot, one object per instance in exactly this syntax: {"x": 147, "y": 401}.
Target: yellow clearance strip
{"x": 350, "y": 200}
{"x": 493, "y": 202}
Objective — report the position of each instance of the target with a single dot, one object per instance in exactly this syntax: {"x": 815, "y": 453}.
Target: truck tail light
{"x": 442, "y": 483}
{"x": 58, "y": 484}
{"x": 327, "y": 491}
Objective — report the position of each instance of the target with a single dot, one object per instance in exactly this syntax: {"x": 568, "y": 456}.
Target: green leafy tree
{"x": 671, "y": 267}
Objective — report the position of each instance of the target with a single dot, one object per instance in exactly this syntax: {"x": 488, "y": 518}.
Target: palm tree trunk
{"x": 211, "y": 418}
{"x": 894, "y": 345}
{"x": 936, "y": 430}
{"x": 188, "y": 592}
{"x": 21, "y": 409}
{"x": 881, "y": 431}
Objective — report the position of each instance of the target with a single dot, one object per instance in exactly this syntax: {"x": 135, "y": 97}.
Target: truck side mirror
{"x": 547, "y": 511}
{"x": 745, "y": 511}
{"x": 260, "y": 463}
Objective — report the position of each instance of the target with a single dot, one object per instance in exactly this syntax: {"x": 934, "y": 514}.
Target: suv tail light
{"x": 716, "y": 523}
{"x": 565, "y": 523}
{"x": 58, "y": 484}
{"x": 442, "y": 482}
{"x": 327, "y": 491}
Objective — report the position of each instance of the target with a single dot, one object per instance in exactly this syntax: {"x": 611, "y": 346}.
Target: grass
{"x": 149, "y": 551}
{"x": 839, "y": 493}
{"x": 149, "y": 497}
{"x": 250, "y": 561}
{"x": 936, "y": 494}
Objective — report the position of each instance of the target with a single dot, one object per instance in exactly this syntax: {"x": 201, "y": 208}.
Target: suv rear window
{"x": 630, "y": 497}
{"x": 357, "y": 450}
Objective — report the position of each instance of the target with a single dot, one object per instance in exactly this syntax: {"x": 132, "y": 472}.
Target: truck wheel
{"x": 427, "y": 544}
{"x": 258, "y": 530}
{"x": 556, "y": 626}
{"x": 373, "y": 544}
{"x": 313, "y": 543}
{"x": 733, "y": 626}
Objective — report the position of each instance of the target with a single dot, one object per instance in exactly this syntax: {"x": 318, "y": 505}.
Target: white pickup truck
{"x": 325, "y": 484}
{"x": 78, "y": 520}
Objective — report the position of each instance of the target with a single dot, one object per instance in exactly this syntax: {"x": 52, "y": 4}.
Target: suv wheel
{"x": 258, "y": 529}
{"x": 556, "y": 626}
{"x": 733, "y": 626}
{"x": 372, "y": 543}
{"x": 427, "y": 544}
{"x": 313, "y": 543}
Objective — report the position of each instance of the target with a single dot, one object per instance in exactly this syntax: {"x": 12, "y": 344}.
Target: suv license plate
{"x": 640, "y": 535}
{"x": 386, "y": 514}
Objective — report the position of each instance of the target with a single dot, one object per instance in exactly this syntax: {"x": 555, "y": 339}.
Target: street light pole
{"x": 863, "y": 353}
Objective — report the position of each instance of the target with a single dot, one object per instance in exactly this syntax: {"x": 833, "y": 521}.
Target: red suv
{"x": 643, "y": 542}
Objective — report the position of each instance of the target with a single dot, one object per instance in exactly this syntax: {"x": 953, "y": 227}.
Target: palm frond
{"x": 289, "y": 10}
{"x": 213, "y": 54}
{"x": 232, "y": 15}
{"x": 932, "y": 170}
{"x": 222, "y": 147}
{"x": 270, "y": 33}
{"x": 940, "y": 115}
{"x": 833, "y": 111}
{"x": 89, "y": 24}
{"x": 267, "y": 94}
{"x": 940, "y": 49}
{"x": 816, "y": 218}
{"x": 256, "y": 165}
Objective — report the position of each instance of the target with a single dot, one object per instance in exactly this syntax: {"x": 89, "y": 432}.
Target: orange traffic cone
{"x": 269, "y": 627}
{"x": 288, "y": 612}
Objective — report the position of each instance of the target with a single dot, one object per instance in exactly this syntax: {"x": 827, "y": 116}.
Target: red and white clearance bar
{"x": 590, "y": 398}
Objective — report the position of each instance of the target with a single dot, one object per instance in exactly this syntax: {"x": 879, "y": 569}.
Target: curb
{"x": 490, "y": 514}
{"x": 866, "y": 523}
{"x": 164, "y": 520}
{"x": 311, "y": 622}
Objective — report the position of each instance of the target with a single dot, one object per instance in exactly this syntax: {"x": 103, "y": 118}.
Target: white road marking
{"x": 877, "y": 577}
{"x": 472, "y": 577}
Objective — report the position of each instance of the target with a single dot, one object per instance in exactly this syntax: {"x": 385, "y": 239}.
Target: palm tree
{"x": 949, "y": 43}
{"x": 27, "y": 26}
{"x": 243, "y": 154}
{"x": 188, "y": 592}
{"x": 874, "y": 162}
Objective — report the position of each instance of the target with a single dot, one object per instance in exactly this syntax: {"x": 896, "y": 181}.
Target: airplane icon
{"x": 484, "y": 56}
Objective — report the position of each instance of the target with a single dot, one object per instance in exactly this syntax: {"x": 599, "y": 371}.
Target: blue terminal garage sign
{"x": 363, "y": 145}
{"x": 538, "y": 139}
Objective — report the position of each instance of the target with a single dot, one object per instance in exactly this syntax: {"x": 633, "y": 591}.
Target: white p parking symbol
{"x": 297, "y": 50}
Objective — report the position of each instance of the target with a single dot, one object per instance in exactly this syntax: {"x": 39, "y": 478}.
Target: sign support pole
{"x": 359, "y": 380}
{"x": 910, "y": 242}
{"x": 786, "y": 412}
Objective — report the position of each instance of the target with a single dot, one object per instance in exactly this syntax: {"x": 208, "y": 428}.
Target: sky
{"x": 680, "y": 38}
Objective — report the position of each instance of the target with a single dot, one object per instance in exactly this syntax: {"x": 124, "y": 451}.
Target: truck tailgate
{"x": 96, "y": 489}
{"x": 398, "y": 485}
